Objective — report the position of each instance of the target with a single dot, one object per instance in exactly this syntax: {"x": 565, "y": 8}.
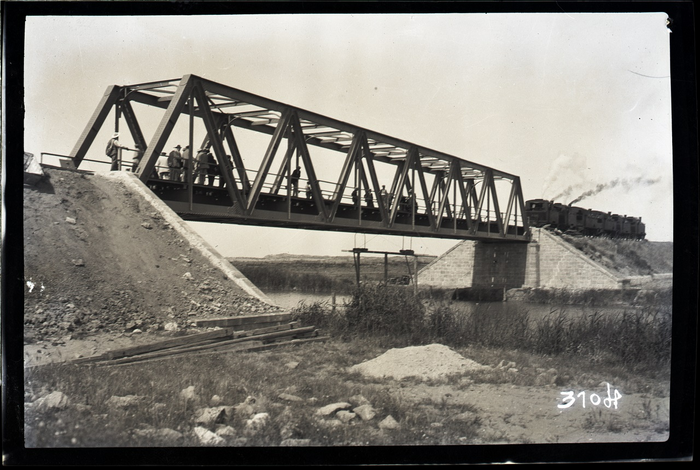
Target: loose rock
{"x": 188, "y": 393}
{"x": 295, "y": 443}
{"x": 332, "y": 408}
{"x": 208, "y": 438}
{"x": 366, "y": 412}
{"x": 257, "y": 422}
{"x": 210, "y": 416}
{"x": 389, "y": 423}
{"x": 289, "y": 397}
{"x": 53, "y": 401}
{"x": 124, "y": 402}
{"x": 345, "y": 416}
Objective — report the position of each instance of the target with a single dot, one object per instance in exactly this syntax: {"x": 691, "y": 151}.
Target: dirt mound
{"x": 626, "y": 257}
{"x": 424, "y": 362}
{"x": 99, "y": 258}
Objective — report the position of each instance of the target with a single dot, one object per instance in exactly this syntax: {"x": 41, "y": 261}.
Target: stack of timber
{"x": 244, "y": 333}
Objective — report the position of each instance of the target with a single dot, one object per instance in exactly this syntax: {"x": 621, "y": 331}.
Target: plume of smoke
{"x": 625, "y": 183}
{"x": 568, "y": 169}
{"x": 566, "y": 192}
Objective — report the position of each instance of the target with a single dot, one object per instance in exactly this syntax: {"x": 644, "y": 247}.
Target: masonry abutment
{"x": 546, "y": 262}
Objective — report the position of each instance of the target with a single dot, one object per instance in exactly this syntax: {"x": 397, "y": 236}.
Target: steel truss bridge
{"x": 426, "y": 193}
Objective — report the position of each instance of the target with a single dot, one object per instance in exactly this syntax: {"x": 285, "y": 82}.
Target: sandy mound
{"x": 99, "y": 258}
{"x": 424, "y": 362}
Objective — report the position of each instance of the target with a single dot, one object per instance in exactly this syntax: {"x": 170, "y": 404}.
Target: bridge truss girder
{"x": 450, "y": 206}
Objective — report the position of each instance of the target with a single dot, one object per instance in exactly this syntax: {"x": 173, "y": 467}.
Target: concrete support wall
{"x": 561, "y": 265}
{"x": 545, "y": 262}
{"x": 499, "y": 265}
{"x": 454, "y": 269}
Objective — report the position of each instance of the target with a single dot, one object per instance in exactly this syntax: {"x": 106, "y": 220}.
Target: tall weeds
{"x": 631, "y": 339}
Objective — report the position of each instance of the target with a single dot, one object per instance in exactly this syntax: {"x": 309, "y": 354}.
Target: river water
{"x": 535, "y": 311}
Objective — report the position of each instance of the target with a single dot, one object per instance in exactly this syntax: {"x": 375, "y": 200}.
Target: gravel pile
{"x": 424, "y": 362}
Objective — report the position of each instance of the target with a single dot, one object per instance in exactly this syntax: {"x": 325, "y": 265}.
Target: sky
{"x": 575, "y": 104}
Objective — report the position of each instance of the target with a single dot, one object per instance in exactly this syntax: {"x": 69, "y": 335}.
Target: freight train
{"x": 588, "y": 222}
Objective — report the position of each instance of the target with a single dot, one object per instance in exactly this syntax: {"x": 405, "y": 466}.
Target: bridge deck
{"x": 213, "y": 204}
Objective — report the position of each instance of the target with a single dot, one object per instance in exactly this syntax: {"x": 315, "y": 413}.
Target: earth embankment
{"x": 626, "y": 257}
{"x": 99, "y": 258}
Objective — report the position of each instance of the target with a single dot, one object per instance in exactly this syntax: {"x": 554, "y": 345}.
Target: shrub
{"x": 378, "y": 309}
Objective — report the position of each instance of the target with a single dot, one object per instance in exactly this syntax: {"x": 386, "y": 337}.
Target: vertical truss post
{"x": 496, "y": 207}
{"x": 398, "y": 186}
{"x": 218, "y": 146}
{"x": 93, "y": 126}
{"x": 284, "y": 168}
{"x": 133, "y": 124}
{"x": 443, "y": 199}
{"x": 454, "y": 207}
{"x": 439, "y": 177}
{"x": 482, "y": 195}
{"x": 288, "y": 171}
{"x": 446, "y": 189}
{"x": 190, "y": 163}
{"x": 358, "y": 186}
{"x": 236, "y": 156}
{"x": 424, "y": 188}
{"x": 308, "y": 166}
{"x": 471, "y": 191}
{"x": 274, "y": 144}
{"x": 413, "y": 201}
{"x": 375, "y": 181}
{"x": 463, "y": 194}
{"x": 511, "y": 200}
{"x": 344, "y": 175}
{"x": 521, "y": 205}
{"x": 167, "y": 123}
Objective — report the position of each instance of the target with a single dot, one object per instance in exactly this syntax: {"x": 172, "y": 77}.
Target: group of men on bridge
{"x": 173, "y": 166}
{"x": 178, "y": 164}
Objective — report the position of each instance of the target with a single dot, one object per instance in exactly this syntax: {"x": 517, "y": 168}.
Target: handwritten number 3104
{"x": 595, "y": 399}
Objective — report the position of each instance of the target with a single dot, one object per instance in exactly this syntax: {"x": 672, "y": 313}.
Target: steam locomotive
{"x": 576, "y": 220}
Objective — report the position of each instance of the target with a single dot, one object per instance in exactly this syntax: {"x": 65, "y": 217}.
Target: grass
{"x": 583, "y": 350}
{"x": 394, "y": 316}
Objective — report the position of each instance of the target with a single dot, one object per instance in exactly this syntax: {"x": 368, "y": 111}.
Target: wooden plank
{"x": 217, "y": 345}
{"x": 267, "y": 329}
{"x": 243, "y": 320}
{"x": 141, "y": 360}
{"x": 203, "y": 342}
{"x": 180, "y": 341}
{"x": 265, "y": 347}
{"x": 168, "y": 343}
{"x": 251, "y": 346}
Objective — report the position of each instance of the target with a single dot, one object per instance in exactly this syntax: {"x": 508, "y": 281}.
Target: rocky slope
{"x": 99, "y": 258}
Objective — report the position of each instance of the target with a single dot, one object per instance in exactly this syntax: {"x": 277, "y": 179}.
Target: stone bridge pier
{"x": 546, "y": 261}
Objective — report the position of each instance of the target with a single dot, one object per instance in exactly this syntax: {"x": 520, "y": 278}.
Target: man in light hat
{"x": 186, "y": 165}
{"x": 163, "y": 166}
{"x": 175, "y": 163}
{"x": 112, "y": 150}
{"x": 202, "y": 165}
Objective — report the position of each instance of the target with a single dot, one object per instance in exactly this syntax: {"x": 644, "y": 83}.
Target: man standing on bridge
{"x": 294, "y": 180}
{"x": 174, "y": 163}
{"x": 112, "y": 151}
{"x": 137, "y": 158}
{"x": 186, "y": 163}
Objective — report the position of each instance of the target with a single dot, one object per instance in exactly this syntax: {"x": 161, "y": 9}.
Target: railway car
{"x": 577, "y": 220}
